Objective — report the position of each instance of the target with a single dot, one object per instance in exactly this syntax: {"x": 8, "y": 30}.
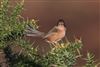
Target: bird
{"x": 56, "y": 33}
{"x": 53, "y": 36}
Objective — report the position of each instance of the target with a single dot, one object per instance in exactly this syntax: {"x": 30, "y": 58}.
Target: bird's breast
{"x": 61, "y": 33}
{"x": 56, "y": 36}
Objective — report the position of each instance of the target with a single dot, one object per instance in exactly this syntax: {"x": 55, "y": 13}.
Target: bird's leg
{"x": 57, "y": 45}
{"x": 54, "y": 44}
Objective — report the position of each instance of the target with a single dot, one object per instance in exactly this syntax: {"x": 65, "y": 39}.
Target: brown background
{"x": 81, "y": 17}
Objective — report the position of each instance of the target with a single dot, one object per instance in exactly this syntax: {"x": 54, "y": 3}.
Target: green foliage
{"x": 12, "y": 30}
{"x": 26, "y": 56}
{"x": 62, "y": 55}
{"x": 12, "y": 25}
{"x": 90, "y": 62}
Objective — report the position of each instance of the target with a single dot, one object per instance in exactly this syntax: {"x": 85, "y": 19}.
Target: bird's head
{"x": 61, "y": 22}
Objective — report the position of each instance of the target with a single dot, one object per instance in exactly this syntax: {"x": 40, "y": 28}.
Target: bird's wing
{"x": 53, "y": 30}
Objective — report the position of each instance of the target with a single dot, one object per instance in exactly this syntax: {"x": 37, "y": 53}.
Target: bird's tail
{"x": 33, "y": 32}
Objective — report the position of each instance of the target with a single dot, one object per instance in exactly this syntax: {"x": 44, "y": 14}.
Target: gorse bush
{"x": 12, "y": 25}
{"x": 90, "y": 62}
{"x": 62, "y": 55}
{"x": 12, "y": 32}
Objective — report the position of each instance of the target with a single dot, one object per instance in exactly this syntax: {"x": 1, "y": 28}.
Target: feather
{"x": 54, "y": 29}
{"x": 32, "y": 32}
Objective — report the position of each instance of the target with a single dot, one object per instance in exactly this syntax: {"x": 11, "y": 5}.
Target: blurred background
{"x": 82, "y": 19}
